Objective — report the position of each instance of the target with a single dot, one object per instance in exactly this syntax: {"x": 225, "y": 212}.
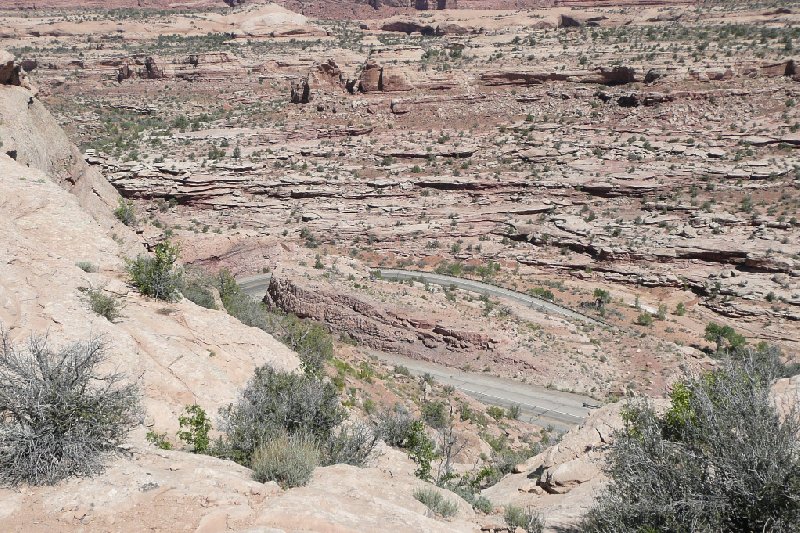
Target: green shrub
{"x": 514, "y": 411}
{"x": 720, "y": 459}
{"x": 350, "y": 444}
{"x": 601, "y": 297}
{"x": 435, "y": 414}
{"x": 495, "y": 412}
{"x": 394, "y": 426}
{"x": 680, "y": 309}
{"x": 197, "y": 288}
{"x": 105, "y": 305}
{"x": 157, "y": 277}
{"x": 309, "y": 339}
{"x": 275, "y": 402}
{"x": 289, "y": 460}
{"x": 541, "y": 292}
{"x": 59, "y": 416}
{"x": 86, "y": 266}
{"x": 159, "y": 440}
{"x": 483, "y": 504}
{"x": 725, "y": 337}
{"x": 402, "y": 370}
{"x": 125, "y": 212}
{"x": 195, "y": 426}
{"x": 421, "y": 449}
{"x": 433, "y": 500}
{"x": 526, "y": 519}
{"x": 645, "y": 319}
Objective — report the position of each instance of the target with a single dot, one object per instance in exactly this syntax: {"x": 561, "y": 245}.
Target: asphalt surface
{"x": 488, "y": 290}
{"x": 539, "y": 405}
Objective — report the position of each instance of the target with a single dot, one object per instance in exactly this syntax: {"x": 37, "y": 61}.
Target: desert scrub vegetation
{"x": 288, "y": 459}
{"x": 59, "y": 415}
{"x": 158, "y": 276}
{"x": 197, "y": 287}
{"x": 721, "y": 458}
{"x": 125, "y": 212}
{"x": 525, "y": 519}
{"x": 87, "y": 267}
{"x": 194, "y": 428}
{"x": 286, "y": 424}
{"x": 106, "y": 305}
{"x": 433, "y": 500}
{"x": 276, "y": 401}
{"x": 309, "y": 339}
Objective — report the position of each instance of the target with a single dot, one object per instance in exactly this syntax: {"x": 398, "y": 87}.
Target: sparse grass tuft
{"x": 433, "y": 500}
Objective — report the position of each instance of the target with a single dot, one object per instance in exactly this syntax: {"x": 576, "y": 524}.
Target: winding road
{"x": 539, "y": 405}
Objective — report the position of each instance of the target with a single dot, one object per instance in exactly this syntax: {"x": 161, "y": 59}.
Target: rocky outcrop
{"x": 30, "y": 135}
{"x": 300, "y": 91}
{"x": 372, "y": 324}
{"x": 125, "y": 72}
{"x": 579, "y": 21}
{"x": 370, "y": 80}
{"x": 151, "y": 70}
{"x": 394, "y": 79}
{"x": 10, "y": 71}
{"x": 410, "y": 26}
{"x": 376, "y": 78}
{"x": 618, "y": 75}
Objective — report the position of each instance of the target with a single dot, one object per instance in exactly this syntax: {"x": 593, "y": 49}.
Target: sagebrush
{"x": 59, "y": 415}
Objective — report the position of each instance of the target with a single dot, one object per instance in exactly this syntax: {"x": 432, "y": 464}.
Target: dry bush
{"x": 59, "y": 416}
{"x": 720, "y": 459}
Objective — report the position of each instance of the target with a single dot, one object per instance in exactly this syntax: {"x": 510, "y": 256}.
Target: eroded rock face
{"x": 376, "y": 325}
{"x": 151, "y": 70}
{"x": 9, "y": 69}
{"x": 394, "y": 79}
{"x": 579, "y": 21}
{"x": 370, "y": 78}
{"x": 618, "y": 75}
{"x": 301, "y": 91}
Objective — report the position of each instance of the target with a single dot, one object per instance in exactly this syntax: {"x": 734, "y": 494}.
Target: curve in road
{"x": 539, "y": 405}
{"x": 488, "y": 290}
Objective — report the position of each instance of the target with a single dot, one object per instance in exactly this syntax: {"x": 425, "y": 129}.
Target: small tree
{"x": 601, "y": 298}
{"x": 59, "y": 416}
{"x": 195, "y": 426}
{"x": 723, "y": 336}
{"x": 157, "y": 276}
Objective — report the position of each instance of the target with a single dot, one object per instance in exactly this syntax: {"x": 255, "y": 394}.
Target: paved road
{"x": 255, "y": 286}
{"x": 540, "y": 405}
{"x": 488, "y": 290}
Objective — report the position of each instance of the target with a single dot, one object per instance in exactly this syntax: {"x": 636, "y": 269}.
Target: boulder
{"x": 370, "y": 80}
{"x": 393, "y": 79}
{"x": 10, "y": 72}
{"x": 124, "y": 72}
{"x": 329, "y": 73}
{"x": 653, "y": 75}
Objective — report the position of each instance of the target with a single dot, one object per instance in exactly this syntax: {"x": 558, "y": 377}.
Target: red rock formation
{"x": 381, "y": 327}
{"x": 370, "y": 77}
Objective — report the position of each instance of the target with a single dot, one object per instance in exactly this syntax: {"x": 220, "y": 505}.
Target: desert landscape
{"x": 505, "y": 219}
